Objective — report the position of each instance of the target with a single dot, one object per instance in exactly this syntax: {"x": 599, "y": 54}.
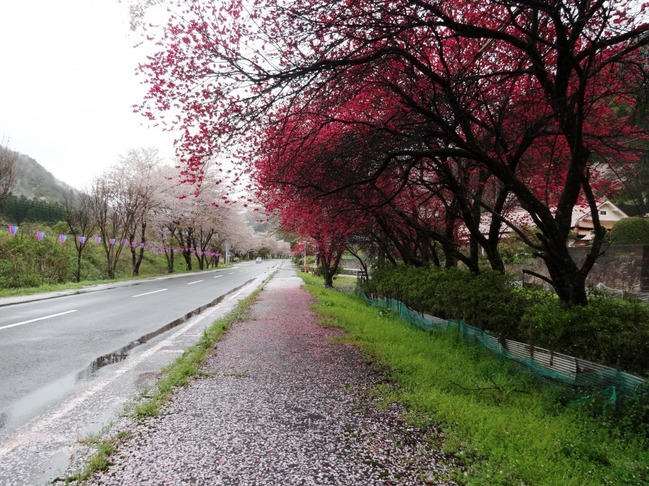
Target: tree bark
{"x": 329, "y": 265}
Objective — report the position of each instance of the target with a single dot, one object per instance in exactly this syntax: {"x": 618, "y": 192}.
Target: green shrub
{"x": 630, "y": 231}
{"x": 607, "y": 331}
{"x": 493, "y": 303}
{"x": 28, "y": 262}
{"x": 488, "y": 300}
{"x": 432, "y": 290}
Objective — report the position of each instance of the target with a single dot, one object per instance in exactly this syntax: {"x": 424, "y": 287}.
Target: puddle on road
{"x": 122, "y": 353}
{"x": 27, "y": 407}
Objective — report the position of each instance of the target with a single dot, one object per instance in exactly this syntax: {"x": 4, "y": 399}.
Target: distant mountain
{"x": 34, "y": 182}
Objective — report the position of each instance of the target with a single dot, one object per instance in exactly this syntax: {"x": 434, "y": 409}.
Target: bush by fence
{"x": 608, "y": 331}
{"x": 615, "y": 396}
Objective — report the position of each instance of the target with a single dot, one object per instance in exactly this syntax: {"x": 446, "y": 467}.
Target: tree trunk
{"x": 138, "y": 261}
{"x": 169, "y": 255}
{"x": 568, "y": 280}
{"x": 329, "y": 265}
{"x": 187, "y": 255}
{"x": 77, "y": 272}
{"x": 200, "y": 258}
{"x": 110, "y": 271}
{"x": 138, "y": 252}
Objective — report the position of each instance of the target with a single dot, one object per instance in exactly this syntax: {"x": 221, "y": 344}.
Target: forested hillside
{"x": 34, "y": 182}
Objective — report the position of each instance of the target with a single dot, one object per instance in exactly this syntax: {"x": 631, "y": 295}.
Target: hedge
{"x": 607, "y": 331}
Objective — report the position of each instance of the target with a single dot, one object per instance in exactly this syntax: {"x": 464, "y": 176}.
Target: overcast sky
{"x": 67, "y": 86}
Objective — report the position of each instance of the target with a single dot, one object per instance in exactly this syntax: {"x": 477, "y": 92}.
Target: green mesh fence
{"x": 606, "y": 385}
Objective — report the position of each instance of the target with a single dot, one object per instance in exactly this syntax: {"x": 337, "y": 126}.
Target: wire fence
{"x": 606, "y": 382}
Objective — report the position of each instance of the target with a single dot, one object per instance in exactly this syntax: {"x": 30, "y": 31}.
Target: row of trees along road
{"x": 142, "y": 202}
{"x": 424, "y": 128}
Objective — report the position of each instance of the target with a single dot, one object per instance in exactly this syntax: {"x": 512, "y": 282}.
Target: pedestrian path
{"x": 283, "y": 405}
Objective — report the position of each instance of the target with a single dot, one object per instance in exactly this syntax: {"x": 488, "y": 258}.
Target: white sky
{"x": 67, "y": 86}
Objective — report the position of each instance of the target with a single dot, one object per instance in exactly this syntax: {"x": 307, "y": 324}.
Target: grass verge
{"x": 503, "y": 426}
{"x": 177, "y": 374}
{"x": 13, "y": 292}
{"x": 100, "y": 460}
{"x": 190, "y": 363}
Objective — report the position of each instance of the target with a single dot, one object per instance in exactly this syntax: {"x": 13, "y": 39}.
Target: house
{"x": 582, "y": 221}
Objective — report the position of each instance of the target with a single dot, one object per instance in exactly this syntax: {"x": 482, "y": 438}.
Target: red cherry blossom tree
{"x": 524, "y": 93}
{"x": 319, "y": 221}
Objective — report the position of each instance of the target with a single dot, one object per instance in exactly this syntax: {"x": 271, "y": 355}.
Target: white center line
{"x": 37, "y": 319}
{"x": 192, "y": 283}
{"x": 149, "y": 293}
{"x": 218, "y": 276}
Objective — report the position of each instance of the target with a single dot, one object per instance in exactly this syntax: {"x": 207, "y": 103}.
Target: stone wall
{"x": 624, "y": 268}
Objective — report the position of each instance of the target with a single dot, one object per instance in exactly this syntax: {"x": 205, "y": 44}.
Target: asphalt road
{"x": 48, "y": 347}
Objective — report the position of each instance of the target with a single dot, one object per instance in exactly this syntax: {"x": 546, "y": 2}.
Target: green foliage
{"x": 513, "y": 250}
{"x": 488, "y": 300}
{"x": 27, "y": 262}
{"x": 630, "y": 231}
{"x": 607, "y": 331}
{"x": 501, "y": 426}
{"x": 18, "y": 210}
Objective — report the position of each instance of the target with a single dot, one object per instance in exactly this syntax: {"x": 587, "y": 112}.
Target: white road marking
{"x": 149, "y": 293}
{"x": 192, "y": 283}
{"x": 41, "y": 429}
{"x": 236, "y": 294}
{"x": 37, "y": 319}
{"x": 218, "y": 276}
{"x": 44, "y": 423}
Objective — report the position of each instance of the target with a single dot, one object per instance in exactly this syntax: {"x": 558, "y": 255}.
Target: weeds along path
{"x": 283, "y": 404}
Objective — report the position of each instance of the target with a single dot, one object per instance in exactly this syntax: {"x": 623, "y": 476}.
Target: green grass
{"x": 344, "y": 281}
{"x": 12, "y": 292}
{"x": 100, "y": 460}
{"x": 47, "y": 288}
{"x": 503, "y": 426}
